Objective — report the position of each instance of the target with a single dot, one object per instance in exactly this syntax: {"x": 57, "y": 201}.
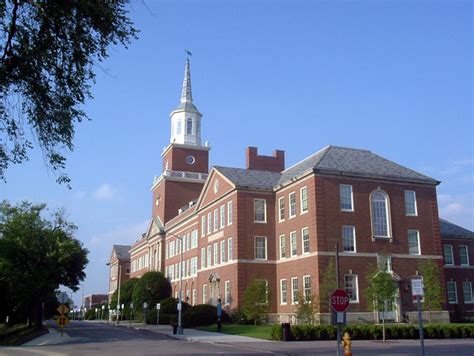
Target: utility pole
{"x": 337, "y": 287}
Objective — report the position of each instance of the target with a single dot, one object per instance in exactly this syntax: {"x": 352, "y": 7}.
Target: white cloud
{"x": 105, "y": 192}
{"x": 457, "y": 208}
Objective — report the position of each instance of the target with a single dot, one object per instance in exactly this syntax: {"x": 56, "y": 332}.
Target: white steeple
{"x": 186, "y": 119}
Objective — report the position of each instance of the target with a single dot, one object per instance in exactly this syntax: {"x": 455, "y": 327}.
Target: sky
{"x": 393, "y": 77}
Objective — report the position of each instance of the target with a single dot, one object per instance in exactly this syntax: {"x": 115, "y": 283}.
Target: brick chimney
{"x": 274, "y": 163}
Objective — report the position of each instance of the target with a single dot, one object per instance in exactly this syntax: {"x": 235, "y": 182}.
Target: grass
{"x": 18, "y": 334}
{"x": 258, "y": 331}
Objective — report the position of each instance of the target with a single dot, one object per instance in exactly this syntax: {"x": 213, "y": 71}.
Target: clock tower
{"x": 185, "y": 159}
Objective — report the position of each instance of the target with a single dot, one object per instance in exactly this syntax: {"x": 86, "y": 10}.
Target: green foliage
{"x": 256, "y": 301}
{"x": 90, "y": 314}
{"x": 126, "y": 294}
{"x": 239, "y": 317}
{"x": 151, "y": 288}
{"x": 380, "y": 289}
{"x": 307, "y": 308}
{"x": 277, "y": 332}
{"x": 432, "y": 287}
{"x": 165, "y": 319}
{"x": 36, "y": 257}
{"x": 202, "y": 315}
{"x": 49, "y": 51}
{"x": 327, "y": 286}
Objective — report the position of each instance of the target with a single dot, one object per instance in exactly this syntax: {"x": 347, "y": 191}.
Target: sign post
{"x": 339, "y": 303}
{"x": 158, "y": 307}
{"x": 417, "y": 291}
{"x": 145, "y": 306}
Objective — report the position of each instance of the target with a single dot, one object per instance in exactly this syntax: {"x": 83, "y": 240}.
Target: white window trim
{"x": 230, "y": 211}
{"x": 416, "y": 205}
{"x": 302, "y": 242}
{"x": 227, "y": 293}
{"x": 279, "y": 209}
{"x": 310, "y": 288}
{"x": 467, "y": 256}
{"x": 472, "y": 296}
{"x": 455, "y": 292}
{"x": 203, "y": 225}
{"x": 230, "y": 248}
{"x": 279, "y": 246}
{"x": 281, "y": 292}
{"x": 418, "y": 240}
{"x": 352, "y": 197}
{"x": 223, "y": 251}
{"x": 264, "y": 211}
{"x": 222, "y": 217}
{"x": 215, "y": 221}
{"x": 255, "y": 248}
{"x": 452, "y": 255}
{"x": 291, "y": 247}
{"x": 356, "y": 285}
{"x": 289, "y": 206}
{"x": 301, "y": 201}
{"x": 353, "y": 237}
{"x": 293, "y": 301}
{"x": 388, "y": 213}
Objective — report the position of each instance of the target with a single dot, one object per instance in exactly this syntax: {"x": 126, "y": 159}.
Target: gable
{"x": 209, "y": 192}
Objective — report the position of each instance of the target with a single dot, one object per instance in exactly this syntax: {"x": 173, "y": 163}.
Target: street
{"x": 85, "y": 338}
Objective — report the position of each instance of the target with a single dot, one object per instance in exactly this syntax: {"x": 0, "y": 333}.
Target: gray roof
{"x": 122, "y": 252}
{"x": 448, "y": 229}
{"x": 249, "y": 178}
{"x": 353, "y": 162}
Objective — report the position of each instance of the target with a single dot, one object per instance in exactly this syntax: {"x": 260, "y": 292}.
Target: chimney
{"x": 274, "y": 163}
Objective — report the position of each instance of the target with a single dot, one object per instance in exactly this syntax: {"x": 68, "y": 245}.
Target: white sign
{"x": 158, "y": 306}
{"x": 417, "y": 287}
{"x": 178, "y": 306}
{"x": 145, "y": 305}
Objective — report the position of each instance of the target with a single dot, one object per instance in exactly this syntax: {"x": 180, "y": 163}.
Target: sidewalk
{"x": 53, "y": 337}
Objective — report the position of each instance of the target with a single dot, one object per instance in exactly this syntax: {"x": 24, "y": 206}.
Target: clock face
{"x": 190, "y": 159}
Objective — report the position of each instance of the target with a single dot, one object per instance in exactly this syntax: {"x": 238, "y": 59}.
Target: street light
{"x": 162, "y": 233}
{"x": 118, "y": 296}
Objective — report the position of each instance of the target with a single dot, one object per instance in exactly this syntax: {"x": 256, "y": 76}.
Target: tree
{"x": 380, "y": 293}
{"x": 126, "y": 296}
{"x": 256, "y": 300}
{"x": 36, "y": 257}
{"x": 48, "y": 54}
{"x": 307, "y": 308}
{"x": 432, "y": 287}
{"x": 151, "y": 288}
{"x": 327, "y": 286}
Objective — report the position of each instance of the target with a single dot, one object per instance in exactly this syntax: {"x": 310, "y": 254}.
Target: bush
{"x": 165, "y": 319}
{"x": 238, "y": 317}
{"x": 202, "y": 315}
{"x": 169, "y": 306}
{"x": 90, "y": 314}
{"x": 151, "y": 288}
{"x": 277, "y": 332}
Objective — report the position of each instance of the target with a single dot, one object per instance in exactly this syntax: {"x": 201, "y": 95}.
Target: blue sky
{"x": 394, "y": 77}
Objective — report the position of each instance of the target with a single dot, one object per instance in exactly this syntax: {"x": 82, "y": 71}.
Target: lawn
{"x": 257, "y": 331}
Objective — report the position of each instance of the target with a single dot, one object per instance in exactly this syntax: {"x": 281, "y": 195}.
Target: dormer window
{"x": 380, "y": 214}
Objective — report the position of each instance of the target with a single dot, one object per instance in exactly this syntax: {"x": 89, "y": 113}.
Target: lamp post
{"x": 118, "y": 295}
{"x": 162, "y": 233}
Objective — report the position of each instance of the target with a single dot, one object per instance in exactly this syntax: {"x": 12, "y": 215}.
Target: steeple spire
{"x": 186, "y": 94}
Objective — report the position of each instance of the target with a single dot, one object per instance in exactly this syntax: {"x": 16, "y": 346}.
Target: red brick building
{"x": 233, "y": 225}
{"x": 119, "y": 264}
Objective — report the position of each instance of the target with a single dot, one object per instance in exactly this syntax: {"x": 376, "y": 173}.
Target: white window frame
{"x": 303, "y": 242}
{"x": 194, "y": 302}
{"x": 216, "y": 220}
{"x": 295, "y": 239}
{"x": 229, "y": 213}
{"x": 194, "y": 238}
{"x": 281, "y": 209}
{"x": 255, "y": 201}
{"x": 302, "y": 210}
{"x": 405, "y": 194}
{"x": 451, "y": 253}
{"x": 291, "y": 208}
{"x": 356, "y": 279}
{"x": 230, "y": 249}
{"x": 341, "y": 187}
{"x": 285, "y": 302}
{"x": 204, "y": 294}
{"x": 226, "y": 292}
{"x": 282, "y": 246}
{"x": 223, "y": 249}
{"x": 203, "y": 225}
{"x": 222, "y": 217}
{"x": 461, "y": 247}
{"x": 255, "y": 247}
{"x": 307, "y": 297}
{"x": 209, "y": 223}
{"x": 387, "y": 215}
{"x": 209, "y": 256}
{"x": 203, "y": 258}
{"x": 294, "y": 292}
{"x": 468, "y": 283}
{"x": 344, "y": 238}
{"x": 418, "y": 246}
{"x": 216, "y": 253}
{"x": 455, "y": 291}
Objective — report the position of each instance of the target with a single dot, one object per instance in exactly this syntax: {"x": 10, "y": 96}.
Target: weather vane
{"x": 188, "y": 53}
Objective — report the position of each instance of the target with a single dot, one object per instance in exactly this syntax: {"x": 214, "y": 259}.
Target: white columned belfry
{"x": 186, "y": 119}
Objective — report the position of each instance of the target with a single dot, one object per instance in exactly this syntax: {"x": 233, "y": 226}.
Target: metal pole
{"x": 118, "y": 296}
{"x": 337, "y": 287}
{"x": 179, "y": 331}
{"x": 420, "y": 320}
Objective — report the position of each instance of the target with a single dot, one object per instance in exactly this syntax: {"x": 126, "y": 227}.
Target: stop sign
{"x": 340, "y": 300}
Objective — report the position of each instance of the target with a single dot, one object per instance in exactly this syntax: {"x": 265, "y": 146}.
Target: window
{"x": 209, "y": 256}
{"x": 307, "y": 288}
{"x": 223, "y": 251}
{"x": 204, "y": 294}
{"x": 379, "y": 213}
{"x": 260, "y": 248}
{"x": 452, "y": 292}
{"x": 305, "y": 239}
{"x": 216, "y": 220}
{"x": 346, "y": 197}
{"x": 304, "y": 200}
{"x": 216, "y": 253}
{"x": 193, "y": 266}
{"x": 203, "y": 225}
{"x": 293, "y": 243}
{"x": 464, "y": 255}
{"x": 203, "y": 257}
{"x": 283, "y": 291}
{"x": 194, "y": 239}
{"x": 292, "y": 200}
{"x": 178, "y": 127}
{"x": 413, "y": 242}
{"x": 229, "y": 213}
{"x": 384, "y": 262}
{"x": 222, "y": 216}
{"x": 226, "y": 292}
{"x": 351, "y": 287}
{"x": 410, "y": 203}
{"x": 229, "y": 249}
{"x": 172, "y": 246}
{"x": 194, "y": 296}
{"x": 467, "y": 292}
{"x": 209, "y": 223}
{"x": 260, "y": 210}
{"x": 448, "y": 255}
{"x": 189, "y": 126}
{"x": 348, "y": 239}
{"x": 281, "y": 209}
{"x": 294, "y": 290}
{"x": 282, "y": 246}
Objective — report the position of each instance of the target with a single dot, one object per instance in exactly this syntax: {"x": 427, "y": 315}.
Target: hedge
{"x": 374, "y": 332}
{"x": 202, "y": 315}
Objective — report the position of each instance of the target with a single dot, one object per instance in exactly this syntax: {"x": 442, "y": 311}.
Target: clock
{"x": 190, "y": 159}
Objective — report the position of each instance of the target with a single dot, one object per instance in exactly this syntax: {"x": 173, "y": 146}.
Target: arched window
{"x": 189, "y": 126}
{"x": 379, "y": 210}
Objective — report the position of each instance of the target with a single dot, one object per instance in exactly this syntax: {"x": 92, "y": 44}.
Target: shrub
{"x": 169, "y": 306}
{"x": 277, "y": 332}
{"x": 165, "y": 319}
{"x": 151, "y": 288}
{"x": 238, "y": 317}
{"x": 202, "y": 315}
